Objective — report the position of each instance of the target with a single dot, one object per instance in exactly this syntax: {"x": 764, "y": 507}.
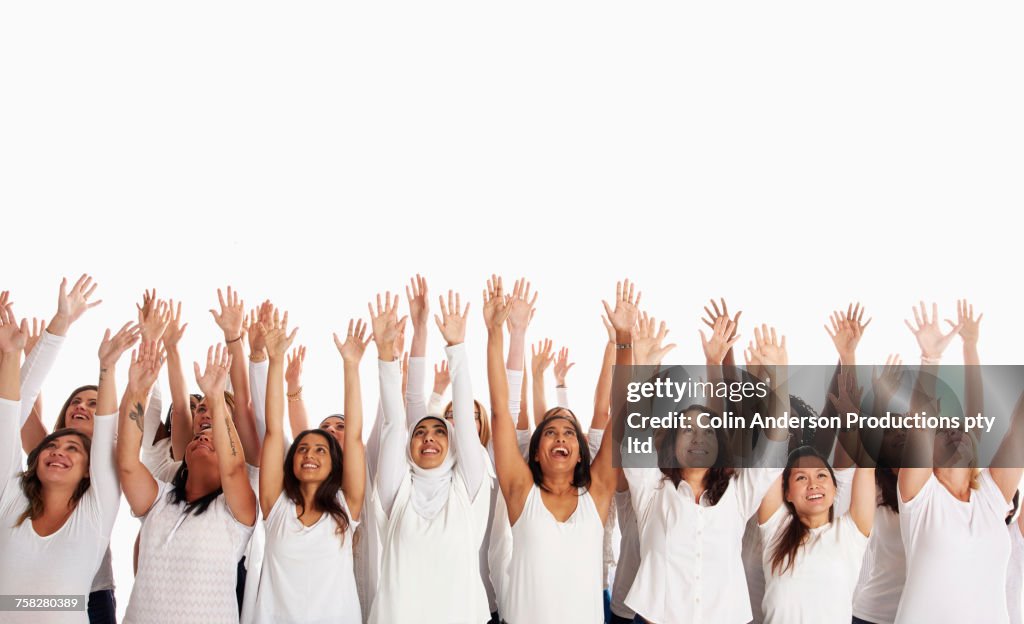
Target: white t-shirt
{"x": 958, "y": 551}
{"x": 188, "y": 564}
{"x": 555, "y": 572}
{"x": 430, "y": 568}
{"x": 877, "y": 596}
{"x": 690, "y": 564}
{"x": 64, "y": 562}
{"x": 307, "y": 575}
{"x": 819, "y": 585}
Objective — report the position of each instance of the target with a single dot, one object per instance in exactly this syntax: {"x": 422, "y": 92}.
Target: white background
{"x": 789, "y": 156}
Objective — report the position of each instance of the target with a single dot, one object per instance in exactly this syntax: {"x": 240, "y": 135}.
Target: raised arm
{"x": 561, "y": 369}
{"x": 714, "y": 313}
{"x": 353, "y": 478}
{"x": 442, "y": 379}
{"x": 298, "y": 418}
{"x": 920, "y": 446}
{"x": 181, "y": 404}
{"x": 470, "y": 462}
{"x": 514, "y": 475}
{"x": 769, "y": 349}
{"x": 258, "y": 365}
{"x": 863, "y": 502}
{"x": 277, "y": 341}
{"x": 541, "y": 357}
{"x": 230, "y": 318}
{"x": 233, "y": 476}
{"x": 12, "y": 342}
{"x": 392, "y": 465}
{"x": 419, "y": 316}
{"x": 716, "y": 349}
{"x": 136, "y": 482}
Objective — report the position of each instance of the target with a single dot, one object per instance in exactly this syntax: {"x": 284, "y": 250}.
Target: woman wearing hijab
{"x": 433, "y": 504}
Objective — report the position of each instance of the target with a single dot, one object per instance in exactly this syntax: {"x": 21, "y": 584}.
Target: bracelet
{"x": 294, "y": 396}
{"x": 258, "y": 356}
{"x": 930, "y": 360}
{"x": 623, "y": 345}
{"x": 234, "y": 340}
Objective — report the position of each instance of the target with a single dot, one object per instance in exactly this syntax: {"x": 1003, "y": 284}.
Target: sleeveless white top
{"x": 307, "y": 575}
{"x": 555, "y": 572}
{"x": 430, "y": 568}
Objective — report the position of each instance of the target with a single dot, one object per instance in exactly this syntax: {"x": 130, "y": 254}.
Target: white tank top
{"x": 555, "y": 572}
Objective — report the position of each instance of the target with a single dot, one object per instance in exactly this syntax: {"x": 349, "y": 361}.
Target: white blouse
{"x": 956, "y": 550}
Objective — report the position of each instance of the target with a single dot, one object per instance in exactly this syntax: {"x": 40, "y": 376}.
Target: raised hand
{"x": 969, "y": 324}
{"x": 768, "y": 349}
{"x": 496, "y": 305}
{"x": 624, "y": 315}
{"x": 849, "y": 393}
{"x": 452, "y": 323}
{"x": 231, "y": 315}
{"x": 541, "y": 357}
{"x": 521, "y": 308}
{"x": 214, "y": 379}
{"x": 723, "y": 337}
{"x": 38, "y": 327}
{"x": 72, "y": 304}
{"x": 293, "y": 369}
{"x": 276, "y": 336}
{"x": 716, "y": 314}
{"x": 847, "y": 330}
{"x": 608, "y": 328}
{"x": 354, "y": 346}
{"x": 113, "y": 346}
{"x": 442, "y": 378}
{"x": 175, "y": 328}
{"x": 562, "y": 366}
{"x": 13, "y": 335}
{"x": 154, "y": 317}
{"x": 885, "y": 383}
{"x": 647, "y": 339}
{"x": 419, "y": 308}
{"x": 928, "y": 333}
{"x": 145, "y": 367}
{"x": 386, "y": 325}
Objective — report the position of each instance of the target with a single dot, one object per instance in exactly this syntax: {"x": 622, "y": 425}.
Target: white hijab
{"x": 430, "y": 486}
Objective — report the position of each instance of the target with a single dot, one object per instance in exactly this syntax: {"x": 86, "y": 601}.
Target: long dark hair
{"x": 32, "y": 487}
{"x": 177, "y": 493}
{"x": 791, "y": 539}
{"x": 581, "y": 473}
{"x": 885, "y": 481}
{"x": 64, "y": 408}
{"x": 326, "y": 497}
{"x": 718, "y": 476}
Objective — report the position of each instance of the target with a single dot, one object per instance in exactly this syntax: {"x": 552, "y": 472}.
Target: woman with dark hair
{"x": 195, "y": 529}
{"x": 311, "y": 499}
{"x": 557, "y": 501}
{"x": 431, "y": 490}
{"x": 812, "y": 558}
{"x": 56, "y": 516}
{"x": 692, "y": 513}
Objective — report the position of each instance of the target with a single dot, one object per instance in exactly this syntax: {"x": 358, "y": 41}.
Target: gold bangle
{"x": 258, "y": 356}
{"x": 294, "y": 396}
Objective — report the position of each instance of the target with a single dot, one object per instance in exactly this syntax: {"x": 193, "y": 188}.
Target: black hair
{"x": 177, "y": 493}
{"x": 326, "y": 496}
{"x": 581, "y": 473}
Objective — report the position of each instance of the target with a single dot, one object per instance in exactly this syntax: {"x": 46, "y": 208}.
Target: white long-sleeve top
{"x": 34, "y": 370}
{"x": 66, "y": 561}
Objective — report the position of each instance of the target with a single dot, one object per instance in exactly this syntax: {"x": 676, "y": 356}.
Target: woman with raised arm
{"x": 692, "y": 513}
{"x": 557, "y": 501}
{"x": 57, "y": 514}
{"x": 310, "y": 498}
{"x": 952, "y": 516}
{"x": 812, "y": 555}
{"x": 194, "y": 529}
{"x": 431, "y": 489}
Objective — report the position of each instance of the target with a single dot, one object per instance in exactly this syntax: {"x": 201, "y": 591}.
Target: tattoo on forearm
{"x": 136, "y": 415}
{"x": 103, "y": 373}
{"x": 231, "y": 438}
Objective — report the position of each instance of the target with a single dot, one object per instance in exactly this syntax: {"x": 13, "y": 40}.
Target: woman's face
{"x": 893, "y": 443}
{"x": 63, "y": 462}
{"x": 559, "y": 447}
{"x": 696, "y": 447}
{"x": 336, "y": 427}
{"x": 200, "y": 454}
{"x": 81, "y": 411}
{"x": 429, "y": 443}
{"x": 810, "y": 488}
{"x": 202, "y": 417}
{"x": 449, "y": 415}
{"x": 312, "y": 461}
{"x": 954, "y": 448}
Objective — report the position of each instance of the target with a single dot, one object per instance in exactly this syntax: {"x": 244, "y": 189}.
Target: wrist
{"x": 930, "y": 360}
{"x": 258, "y": 356}
{"x": 456, "y": 342}
{"x": 59, "y": 324}
{"x": 231, "y": 337}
